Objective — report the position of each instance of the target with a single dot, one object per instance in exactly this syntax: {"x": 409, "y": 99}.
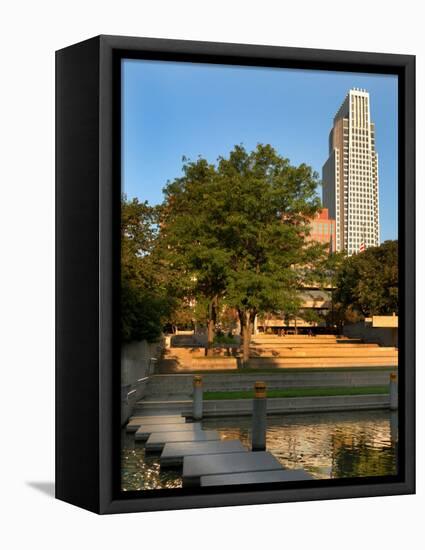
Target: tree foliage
{"x": 367, "y": 283}
{"x": 189, "y": 241}
{"x": 145, "y": 298}
{"x": 240, "y": 228}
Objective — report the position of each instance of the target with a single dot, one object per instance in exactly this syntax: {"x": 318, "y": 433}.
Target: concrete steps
{"x": 188, "y": 355}
{"x": 313, "y": 345}
{"x": 180, "y": 359}
{"x": 244, "y": 478}
{"x": 157, "y": 441}
{"x": 329, "y": 352}
{"x": 136, "y": 421}
{"x": 195, "y": 467}
{"x": 204, "y": 458}
{"x": 197, "y": 351}
{"x": 173, "y": 454}
{"x": 206, "y": 363}
{"x": 268, "y": 351}
{"x": 300, "y": 338}
{"x": 320, "y": 362}
{"x": 146, "y": 430}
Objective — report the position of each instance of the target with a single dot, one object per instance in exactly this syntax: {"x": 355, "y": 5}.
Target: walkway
{"x": 204, "y": 459}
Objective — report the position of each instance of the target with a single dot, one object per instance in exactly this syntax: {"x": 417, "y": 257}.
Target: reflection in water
{"x": 328, "y": 445}
{"x": 139, "y": 471}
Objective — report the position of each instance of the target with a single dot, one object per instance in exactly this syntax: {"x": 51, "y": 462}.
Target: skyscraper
{"x": 350, "y": 175}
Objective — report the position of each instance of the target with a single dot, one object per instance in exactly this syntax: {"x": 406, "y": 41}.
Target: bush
{"x": 224, "y": 339}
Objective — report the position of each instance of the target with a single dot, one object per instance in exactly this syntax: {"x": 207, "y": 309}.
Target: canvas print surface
{"x": 259, "y": 276}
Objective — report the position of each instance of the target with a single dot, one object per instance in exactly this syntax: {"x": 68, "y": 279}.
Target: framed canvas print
{"x": 235, "y": 274}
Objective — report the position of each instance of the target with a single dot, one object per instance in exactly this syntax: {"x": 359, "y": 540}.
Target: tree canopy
{"x": 367, "y": 283}
{"x": 145, "y": 298}
{"x": 241, "y": 227}
{"x": 234, "y": 236}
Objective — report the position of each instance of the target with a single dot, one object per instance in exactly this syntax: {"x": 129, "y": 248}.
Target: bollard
{"x": 197, "y": 398}
{"x": 259, "y": 417}
{"x": 393, "y": 392}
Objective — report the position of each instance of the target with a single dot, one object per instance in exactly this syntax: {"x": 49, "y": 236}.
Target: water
{"x": 327, "y": 445}
{"x": 139, "y": 471}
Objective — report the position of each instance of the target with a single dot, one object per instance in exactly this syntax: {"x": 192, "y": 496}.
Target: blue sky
{"x": 173, "y": 109}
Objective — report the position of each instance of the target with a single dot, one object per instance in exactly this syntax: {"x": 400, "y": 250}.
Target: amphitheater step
{"x": 269, "y": 362}
{"x": 310, "y": 343}
{"x": 327, "y": 352}
{"x": 305, "y": 342}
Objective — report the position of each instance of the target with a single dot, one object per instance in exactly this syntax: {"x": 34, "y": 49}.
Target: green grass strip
{"x": 298, "y": 392}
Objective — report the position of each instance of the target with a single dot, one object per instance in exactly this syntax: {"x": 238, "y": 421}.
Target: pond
{"x": 327, "y": 445}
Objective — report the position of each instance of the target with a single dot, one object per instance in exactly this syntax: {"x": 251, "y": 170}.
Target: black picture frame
{"x": 87, "y": 270}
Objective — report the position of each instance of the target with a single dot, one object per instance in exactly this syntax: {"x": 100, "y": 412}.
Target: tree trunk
{"x": 212, "y": 318}
{"x": 246, "y": 342}
{"x": 210, "y": 337}
{"x": 246, "y": 318}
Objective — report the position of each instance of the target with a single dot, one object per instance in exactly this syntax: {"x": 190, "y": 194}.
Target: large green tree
{"x": 367, "y": 283}
{"x": 241, "y": 227}
{"x": 189, "y": 238}
{"x": 264, "y": 222}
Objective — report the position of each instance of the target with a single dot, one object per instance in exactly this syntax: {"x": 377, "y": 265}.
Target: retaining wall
{"x": 136, "y": 366}
{"x": 165, "y": 385}
{"x": 380, "y": 335}
{"x": 243, "y": 407}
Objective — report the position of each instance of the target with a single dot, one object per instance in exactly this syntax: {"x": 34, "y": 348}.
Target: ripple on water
{"x": 141, "y": 472}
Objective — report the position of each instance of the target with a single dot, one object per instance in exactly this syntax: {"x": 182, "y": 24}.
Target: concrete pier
{"x": 273, "y": 476}
{"x": 157, "y": 441}
{"x": 146, "y": 430}
{"x": 282, "y": 352}
{"x": 174, "y": 453}
{"x": 194, "y": 467}
{"x": 136, "y": 421}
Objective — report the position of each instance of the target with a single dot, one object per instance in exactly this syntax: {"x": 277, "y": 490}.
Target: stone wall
{"x": 180, "y": 386}
{"x": 279, "y": 405}
{"x": 387, "y": 337}
{"x": 136, "y": 367}
{"x": 286, "y": 405}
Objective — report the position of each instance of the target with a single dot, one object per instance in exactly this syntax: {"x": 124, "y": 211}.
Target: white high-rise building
{"x": 350, "y": 175}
